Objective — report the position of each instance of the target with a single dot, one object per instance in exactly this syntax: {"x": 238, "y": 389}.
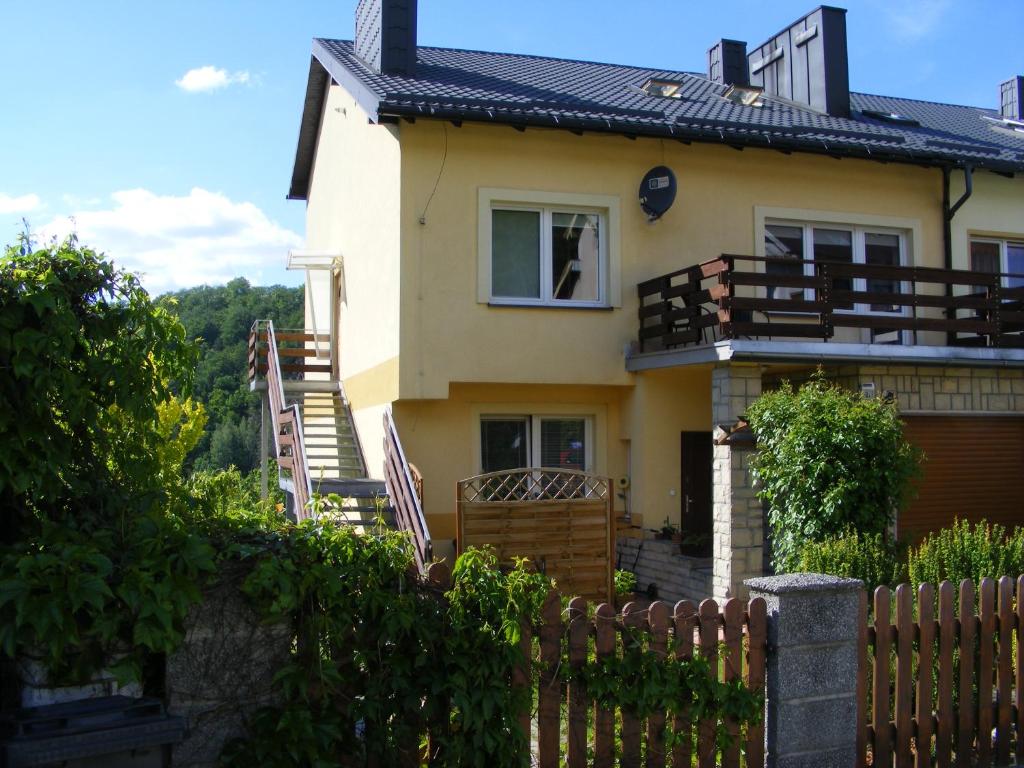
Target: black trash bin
{"x": 112, "y": 732}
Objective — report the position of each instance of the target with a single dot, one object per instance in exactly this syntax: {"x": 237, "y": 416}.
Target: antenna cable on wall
{"x": 440, "y": 171}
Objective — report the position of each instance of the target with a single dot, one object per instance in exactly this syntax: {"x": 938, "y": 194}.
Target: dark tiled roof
{"x": 534, "y": 90}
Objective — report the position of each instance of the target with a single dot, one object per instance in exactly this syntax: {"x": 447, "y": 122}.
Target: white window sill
{"x": 527, "y": 304}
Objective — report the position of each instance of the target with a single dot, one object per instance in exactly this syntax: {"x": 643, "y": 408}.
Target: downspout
{"x": 948, "y": 212}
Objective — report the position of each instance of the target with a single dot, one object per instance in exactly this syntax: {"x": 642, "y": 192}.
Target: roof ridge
{"x": 532, "y": 56}
{"x": 923, "y": 101}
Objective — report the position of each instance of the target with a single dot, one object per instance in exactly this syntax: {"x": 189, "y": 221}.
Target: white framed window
{"x": 514, "y": 441}
{"x": 806, "y": 243}
{"x": 990, "y": 254}
{"x": 548, "y": 249}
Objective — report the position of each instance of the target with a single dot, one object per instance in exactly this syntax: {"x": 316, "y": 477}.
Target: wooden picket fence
{"x": 732, "y": 638}
{"x": 943, "y": 689}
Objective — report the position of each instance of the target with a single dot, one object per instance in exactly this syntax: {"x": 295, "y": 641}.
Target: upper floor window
{"x": 996, "y": 255}
{"x": 547, "y": 255}
{"x": 804, "y": 245}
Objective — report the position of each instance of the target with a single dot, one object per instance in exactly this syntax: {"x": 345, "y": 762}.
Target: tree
{"x": 829, "y": 461}
{"x": 220, "y": 317}
{"x": 87, "y": 359}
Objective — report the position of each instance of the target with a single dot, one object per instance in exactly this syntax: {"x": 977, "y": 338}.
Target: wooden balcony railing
{"x": 300, "y": 351}
{"x": 755, "y": 297}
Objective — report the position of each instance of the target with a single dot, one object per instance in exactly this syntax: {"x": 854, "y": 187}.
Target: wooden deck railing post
{"x": 810, "y": 705}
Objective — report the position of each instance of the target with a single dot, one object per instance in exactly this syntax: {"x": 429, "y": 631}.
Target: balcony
{"x": 874, "y": 307}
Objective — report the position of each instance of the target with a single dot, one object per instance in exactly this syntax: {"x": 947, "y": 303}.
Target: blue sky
{"x": 186, "y": 182}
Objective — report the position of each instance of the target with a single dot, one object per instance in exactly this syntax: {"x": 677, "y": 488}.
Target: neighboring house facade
{"x": 502, "y": 291}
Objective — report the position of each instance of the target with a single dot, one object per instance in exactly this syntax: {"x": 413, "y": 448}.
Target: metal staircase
{"x": 308, "y": 423}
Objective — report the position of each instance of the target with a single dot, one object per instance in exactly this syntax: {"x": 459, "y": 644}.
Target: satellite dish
{"x": 657, "y": 191}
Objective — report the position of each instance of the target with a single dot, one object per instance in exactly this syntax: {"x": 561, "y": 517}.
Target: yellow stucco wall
{"x": 445, "y": 328}
{"x": 354, "y": 210}
{"x": 994, "y": 209}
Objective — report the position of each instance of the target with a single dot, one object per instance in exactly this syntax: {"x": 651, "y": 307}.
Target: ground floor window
{"x": 514, "y": 441}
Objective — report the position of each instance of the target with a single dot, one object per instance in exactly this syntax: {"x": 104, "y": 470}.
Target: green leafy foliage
{"x": 625, "y": 583}
{"x": 76, "y": 601}
{"x": 380, "y": 650}
{"x": 965, "y": 551}
{"x": 828, "y": 460}
{"x": 86, "y": 359}
{"x": 871, "y": 557}
{"x": 221, "y": 316}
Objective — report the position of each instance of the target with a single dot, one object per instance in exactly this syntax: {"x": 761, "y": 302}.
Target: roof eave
{"x": 689, "y": 133}
{"x": 323, "y": 65}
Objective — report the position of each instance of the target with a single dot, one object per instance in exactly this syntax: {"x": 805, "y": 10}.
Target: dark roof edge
{"x": 706, "y": 135}
{"x": 323, "y": 63}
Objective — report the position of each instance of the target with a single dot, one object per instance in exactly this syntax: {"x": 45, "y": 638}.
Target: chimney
{"x": 727, "y": 62}
{"x": 1011, "y": 98}
{"x": 807, "y": 62}
{"x": 386, "y": 35}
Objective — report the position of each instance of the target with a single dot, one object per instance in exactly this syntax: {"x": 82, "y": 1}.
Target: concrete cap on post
{"x": 811, "y": 695}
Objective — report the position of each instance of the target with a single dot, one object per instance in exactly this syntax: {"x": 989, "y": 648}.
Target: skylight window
{"x": 890, "y": 117}
{"x": 667, "y": 89}
{"x": 747, "y": 95}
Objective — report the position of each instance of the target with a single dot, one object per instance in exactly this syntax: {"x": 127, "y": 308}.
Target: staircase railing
{"x": 289, "y": 442}
{"x": 404, "y": 495}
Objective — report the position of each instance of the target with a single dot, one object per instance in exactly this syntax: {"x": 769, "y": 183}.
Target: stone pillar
{"x": 738, "y": 534}
{"x": 811, "y": 697}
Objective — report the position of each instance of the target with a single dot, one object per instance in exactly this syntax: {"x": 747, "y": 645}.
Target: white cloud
{"x": 916, "y": 19}
{"x": 21, "y": 204}
{"x": 209, "y": 78}
{"x": 180, "y": 241}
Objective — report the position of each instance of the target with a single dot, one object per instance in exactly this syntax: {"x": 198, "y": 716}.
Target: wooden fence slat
{"x": 757, "y": 621}
{"x": 685, "y": 619}
{"x": 604, "y": 719}
{"x": 923, "y": 714}
{"x": 882, "y": 748}
{"x": 658, "y": 620}
{"x": 986, "y": 639}
{"x": 577, "y": 696}
{"x": 549, "y": 695}
{"x": 632, "y": 617}
{"x": 1019, "y": 679}
{"x": 732, "y": 613}
{"x": 947, "y": 639}
{"x": 862, "y": 679}
{"x": 904, "y": 668}
{"x": 965, "y": 732}
{"x": 1004, "y": 673}
{"x": 708, "y": 616}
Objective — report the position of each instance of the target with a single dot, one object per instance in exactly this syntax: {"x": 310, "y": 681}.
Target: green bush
{"x": 625, "y": 583}
{"x": 872, "y": 558}
{"x": 965, "y": 551}
{"x": 829, "y": 461}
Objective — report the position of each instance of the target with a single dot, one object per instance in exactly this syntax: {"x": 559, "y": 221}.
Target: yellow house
{"x": 516, "y": 247}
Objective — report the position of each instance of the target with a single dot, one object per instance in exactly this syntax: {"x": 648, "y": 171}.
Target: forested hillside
{"x": 221, "y": 316}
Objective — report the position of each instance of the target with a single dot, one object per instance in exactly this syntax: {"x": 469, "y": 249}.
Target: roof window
{"x": 747, "y": 95}
{"x": 890, "y": 117}
{"x": 667, "y": 89}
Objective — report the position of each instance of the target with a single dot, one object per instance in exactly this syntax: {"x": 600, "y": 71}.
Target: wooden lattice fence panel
{"x": 560, "y": 520}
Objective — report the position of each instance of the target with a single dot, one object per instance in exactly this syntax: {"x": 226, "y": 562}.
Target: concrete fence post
{"x": 811, "y": 697}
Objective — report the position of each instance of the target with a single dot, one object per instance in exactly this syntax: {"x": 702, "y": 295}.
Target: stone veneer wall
{"x": 920, "y": 389}
{"x": 738, "y": 517}
{"x": 677, "y": 576}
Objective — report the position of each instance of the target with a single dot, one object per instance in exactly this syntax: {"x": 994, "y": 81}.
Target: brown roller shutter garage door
{"x": 974, "y": 469}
